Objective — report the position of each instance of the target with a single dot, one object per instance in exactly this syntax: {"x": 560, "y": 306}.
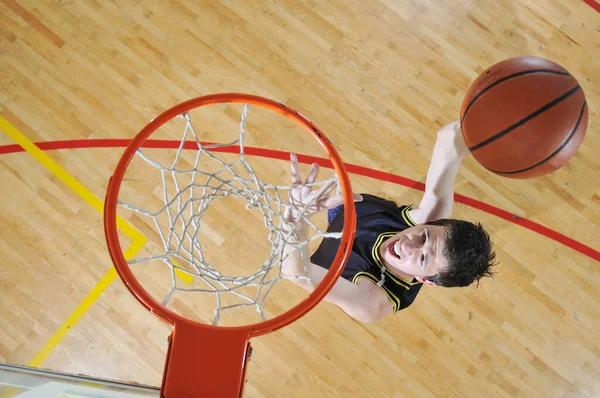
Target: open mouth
{"x": 394, "y": 249}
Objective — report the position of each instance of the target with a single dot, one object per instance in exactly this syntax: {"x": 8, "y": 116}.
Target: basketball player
{"x": 396, "y": 249}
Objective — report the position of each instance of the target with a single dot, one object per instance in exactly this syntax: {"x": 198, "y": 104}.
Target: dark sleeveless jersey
{"x": 377, "y": 220}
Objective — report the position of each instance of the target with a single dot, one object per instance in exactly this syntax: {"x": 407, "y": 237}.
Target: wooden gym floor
{"x": 379, "y": 78}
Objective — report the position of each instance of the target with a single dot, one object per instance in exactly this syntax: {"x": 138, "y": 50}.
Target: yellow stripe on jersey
{"x": 406, "y": 217}
{"x": 375, "y": 254}
{"x": 364, "y": 274}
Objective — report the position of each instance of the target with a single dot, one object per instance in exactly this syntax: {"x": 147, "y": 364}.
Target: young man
{"x": 396, "y": 249}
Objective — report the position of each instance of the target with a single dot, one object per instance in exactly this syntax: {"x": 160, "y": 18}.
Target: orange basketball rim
{"x": 205, "y": 360}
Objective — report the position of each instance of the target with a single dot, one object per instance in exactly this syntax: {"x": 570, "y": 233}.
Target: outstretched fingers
{"x": 336, "y": 200}
{"x": 296, "y": 176}
{"x": 313, "y": 200}
{"x": 327, "y": 188}
{"x": 312, "y": 174}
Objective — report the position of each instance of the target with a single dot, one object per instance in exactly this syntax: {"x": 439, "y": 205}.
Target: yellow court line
{"x": 83, "y": 307}
{"x": 11, "y": 392}
{"x": 64, "y": 176}
{"x": 72, "y": 183}
{"x": 138, "y": 239}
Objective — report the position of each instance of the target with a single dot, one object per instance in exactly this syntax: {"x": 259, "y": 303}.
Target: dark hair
{"x": 468, "y": 251}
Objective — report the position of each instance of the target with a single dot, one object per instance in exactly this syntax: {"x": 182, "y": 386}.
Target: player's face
{"x": 416, "y": 251}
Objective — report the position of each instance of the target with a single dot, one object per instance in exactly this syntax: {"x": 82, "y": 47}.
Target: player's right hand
{"x": 306, "y": 200}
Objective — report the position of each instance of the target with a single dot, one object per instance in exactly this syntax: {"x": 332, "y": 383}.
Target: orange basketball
{"x": 524, "y": 117}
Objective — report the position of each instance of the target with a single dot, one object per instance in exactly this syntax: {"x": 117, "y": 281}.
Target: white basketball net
{"x": 185, "y": 207}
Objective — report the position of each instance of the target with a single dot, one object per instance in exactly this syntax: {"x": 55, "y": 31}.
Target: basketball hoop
{"x": 206, "y": 360}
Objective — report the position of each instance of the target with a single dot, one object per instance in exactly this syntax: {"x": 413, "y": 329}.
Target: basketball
{"x": 524, "y": 117}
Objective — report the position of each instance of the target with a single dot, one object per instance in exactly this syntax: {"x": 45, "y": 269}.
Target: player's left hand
{"x": 304, "y": 199}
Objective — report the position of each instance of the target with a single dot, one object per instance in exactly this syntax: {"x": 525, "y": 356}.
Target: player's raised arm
{"x": 448, "y": 153}
{"x": 363, "y": 301}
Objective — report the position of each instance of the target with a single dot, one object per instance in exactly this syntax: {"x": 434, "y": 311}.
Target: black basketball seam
{"x": 565, "y": 142}
{"x": 526, "y": 119}
{"x": 508, "y": 78}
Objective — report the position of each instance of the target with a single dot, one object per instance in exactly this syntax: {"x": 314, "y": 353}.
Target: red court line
{"x": 354, "y": 169}
{"x": 594, "y": 4}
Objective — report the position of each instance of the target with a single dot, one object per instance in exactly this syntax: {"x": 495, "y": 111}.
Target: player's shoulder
{"x": 372, "y": 204}
{"x": 379, "y": 202}
{"x": 378, "y": 299}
